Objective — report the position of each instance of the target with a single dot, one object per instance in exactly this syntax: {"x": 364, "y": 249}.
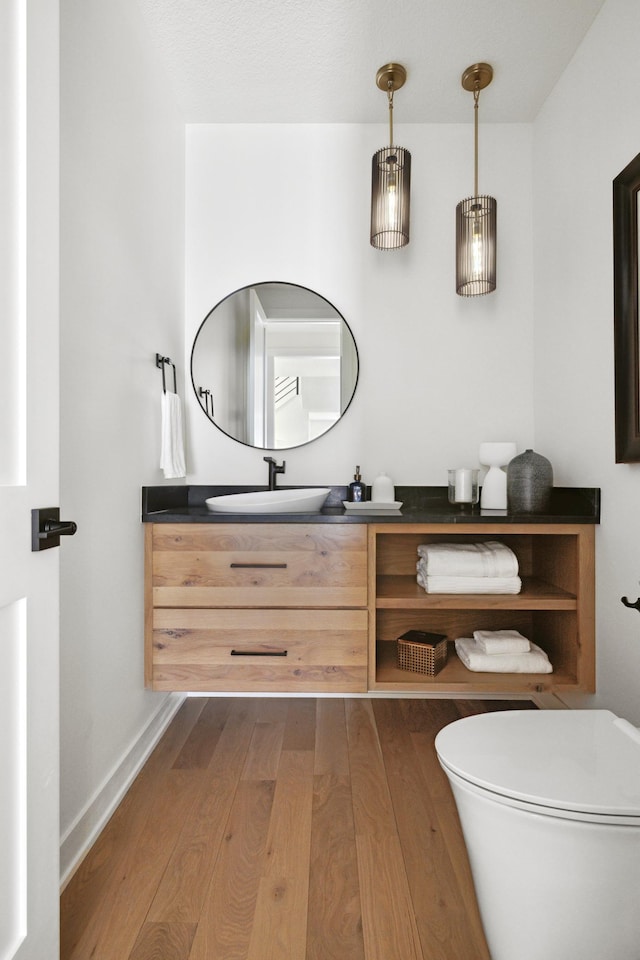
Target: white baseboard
{"x": 83, "y": 832}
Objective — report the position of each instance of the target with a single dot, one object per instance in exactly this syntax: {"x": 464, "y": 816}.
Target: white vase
{"x": 495, "y": 455}
{"x": 382, "y": 489}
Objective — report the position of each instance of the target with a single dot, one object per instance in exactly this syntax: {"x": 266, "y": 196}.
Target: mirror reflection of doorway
{"x": 302, "y": 398}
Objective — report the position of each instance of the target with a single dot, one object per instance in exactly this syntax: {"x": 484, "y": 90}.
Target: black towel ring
{"x": 627, "y": 603}
{"x": 160, "y": 362}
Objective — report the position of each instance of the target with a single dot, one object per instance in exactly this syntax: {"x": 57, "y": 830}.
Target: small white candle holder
{"x": 463, "y": 486}
{"x": 495, "y": 455}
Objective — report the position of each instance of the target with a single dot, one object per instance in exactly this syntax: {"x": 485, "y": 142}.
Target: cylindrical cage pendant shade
{"x": 476, "y": 246}
{"x": 390, "y": 196}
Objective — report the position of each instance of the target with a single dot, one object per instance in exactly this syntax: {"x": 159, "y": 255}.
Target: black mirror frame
{"x": 625, "y": 312}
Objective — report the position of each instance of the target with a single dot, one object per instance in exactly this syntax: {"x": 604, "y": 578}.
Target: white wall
{"x": 122, "y": 249}
{"x": 588, "y": 130}
{"x": 438, "y": 373}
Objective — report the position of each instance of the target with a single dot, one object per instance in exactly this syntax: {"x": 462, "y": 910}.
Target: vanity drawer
{"x": 260, "y": 650}
{"x": 259, "y": 565}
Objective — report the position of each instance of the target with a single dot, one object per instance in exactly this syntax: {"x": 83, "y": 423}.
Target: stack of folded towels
{"x": 489, "y": 567}
{"x": 501, "y": 651}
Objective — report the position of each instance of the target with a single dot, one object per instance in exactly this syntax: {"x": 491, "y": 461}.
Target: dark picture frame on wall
{"x": 625, "y": 313}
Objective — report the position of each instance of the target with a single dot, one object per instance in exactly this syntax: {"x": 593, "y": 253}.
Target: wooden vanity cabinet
{"x": 256, "y": 607}
{"x": 317, "y": 608}
{"x": 555, "y": 609}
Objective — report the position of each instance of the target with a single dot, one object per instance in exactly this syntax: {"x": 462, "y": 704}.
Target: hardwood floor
{"x": 284, "y": 829}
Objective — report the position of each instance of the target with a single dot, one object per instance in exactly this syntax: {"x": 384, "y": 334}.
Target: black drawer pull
{"x": 259, "y": 566}
{"x": 259, "y": 653}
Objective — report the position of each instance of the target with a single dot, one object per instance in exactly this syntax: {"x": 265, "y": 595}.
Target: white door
{"x": 29, "y": 592}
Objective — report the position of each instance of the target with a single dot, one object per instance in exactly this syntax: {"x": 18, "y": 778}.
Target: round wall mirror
{"x": 274, "y": 365}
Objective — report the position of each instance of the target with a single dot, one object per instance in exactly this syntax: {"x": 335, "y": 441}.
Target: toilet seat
{"x": 576, "y": 764}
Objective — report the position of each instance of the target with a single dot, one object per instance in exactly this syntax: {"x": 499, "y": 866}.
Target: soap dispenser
{"x": 356, "y": 491}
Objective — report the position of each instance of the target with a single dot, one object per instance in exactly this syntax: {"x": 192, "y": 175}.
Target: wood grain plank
{"x": 280, "y": 924}
{"x": 164, "y": 941}
{"x": 387, "y": 911}
{"x": 274, "y": 568}
{"x": 279, "y": 928}
{"x": 289, "y": 837}
{"x": 227, "y": 537}
{"x": 260, "y": 678}
{"x": 422, "y": 716}
{"x": 272, "y": 709}
{"x": 261, "y": 596}
{"x": 300, "y": 728}
{"x": 388, "y": 920}
{"x": 207, "y": 636}
{"x": 470, "y": 708}
{"x": 441, "y": 915}
{"x": 225, "y": 928}
{"x": 263, "y": 755}
{"x": 201, "y": 743}
{"x": 332, "y": 752}
{"x": 334, "y": 927}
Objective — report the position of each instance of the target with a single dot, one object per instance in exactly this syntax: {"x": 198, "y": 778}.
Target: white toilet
{"x": 549, "y": 803}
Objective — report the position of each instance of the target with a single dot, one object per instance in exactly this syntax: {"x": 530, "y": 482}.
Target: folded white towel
{"x": 469, "y": 584}
{"x": 535, "y": 661}
{"x": 490, "y": 559}
{"x": 172, "y": 443}
{"x": 501, "y": 642}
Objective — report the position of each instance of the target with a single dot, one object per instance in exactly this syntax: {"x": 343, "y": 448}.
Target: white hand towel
{"x": 536, "y": 661}
{"x": 490, "y": 559}
{"x": 469, "y": 584}
{"x": 501, "y": 642}
{"x": 172, "y": 444}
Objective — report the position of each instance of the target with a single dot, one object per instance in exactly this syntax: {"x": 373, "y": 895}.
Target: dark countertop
{"x": 186, "y": 504}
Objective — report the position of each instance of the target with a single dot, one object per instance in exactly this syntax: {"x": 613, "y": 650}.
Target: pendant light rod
{"x": 474, "y": 79}
{"x": 476, "y": 97}
{"x": 390, "y": 78}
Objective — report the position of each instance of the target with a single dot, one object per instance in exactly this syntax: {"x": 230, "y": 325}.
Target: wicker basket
{"x": 422, "y": 652}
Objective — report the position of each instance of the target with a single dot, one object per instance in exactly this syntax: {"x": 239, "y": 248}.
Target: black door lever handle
{"x": 47, "y": 528}
{"x": 58, "y": 528}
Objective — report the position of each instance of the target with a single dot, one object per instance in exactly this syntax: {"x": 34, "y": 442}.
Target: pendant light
{"x": 476, "y": 216}
{"x": 390, "y": 175}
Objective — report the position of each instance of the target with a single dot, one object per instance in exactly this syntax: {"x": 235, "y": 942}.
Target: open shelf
{"x": 536, "y": 594}
{"x": 454, "y": 677}
{"x": 554, "y": 609}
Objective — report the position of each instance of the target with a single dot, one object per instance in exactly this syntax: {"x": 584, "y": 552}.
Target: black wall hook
{"x": 627, "y": 603}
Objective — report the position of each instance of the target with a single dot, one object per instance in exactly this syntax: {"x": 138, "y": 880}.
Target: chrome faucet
{"x": 274, "y": 469}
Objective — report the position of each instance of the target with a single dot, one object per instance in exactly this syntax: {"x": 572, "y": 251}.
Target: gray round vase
{"x": 529, "y": 483}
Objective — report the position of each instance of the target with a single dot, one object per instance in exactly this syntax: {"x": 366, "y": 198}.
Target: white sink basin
{"x": 309, "y": 500}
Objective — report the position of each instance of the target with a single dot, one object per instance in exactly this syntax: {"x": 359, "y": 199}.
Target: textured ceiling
{"x": 315, "y": 61}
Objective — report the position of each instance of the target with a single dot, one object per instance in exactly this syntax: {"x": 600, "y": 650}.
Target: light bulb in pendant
{"x": 477, "y": 248}
{"x": 392, "y": 193}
